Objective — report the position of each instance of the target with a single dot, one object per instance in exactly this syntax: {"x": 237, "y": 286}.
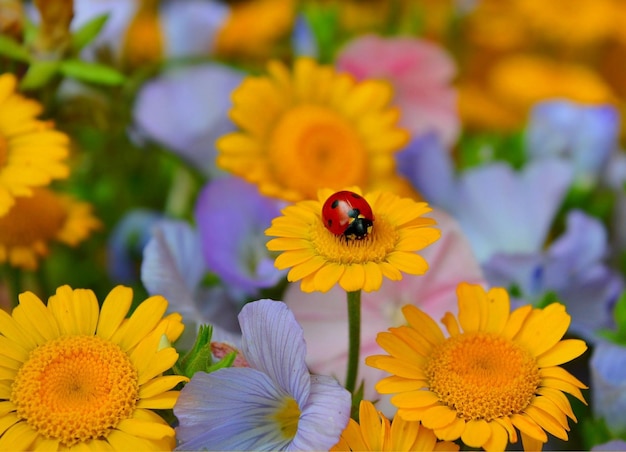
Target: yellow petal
{"x": 373, "y": 277}
{"x": 143, "y": 320}
{"x": 498, "y": 440}
{"x": 476, "y": 433}
{"x": 159, "y": 385}
{"x": 438, "y": 417}
{"x": 564, "y": 351}
{"x": 327, "y": 276}
{"x": 353, "y": 278}
{"x": 37, "y": 316}
{"x": 451, "y": 432}
{"x": 144, "y": 429}
{"x": 526, "y": 425}
{"x": 306, "y": 268}
{"x": 546, "y": 421}
{"x": 543, "y": 328}
{"x": 114, "y": 310}
{"x": 410, "y": 263}
{"x": 472, "y": 306}
{"x": 423, "y": 323}
{"x": 499, "y": 308}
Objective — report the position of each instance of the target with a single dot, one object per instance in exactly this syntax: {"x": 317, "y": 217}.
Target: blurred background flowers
{"x": 151, "y": 143}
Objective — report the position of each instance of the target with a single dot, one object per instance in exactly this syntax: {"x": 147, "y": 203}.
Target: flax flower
{"x": 496, "y": 372}
{"x": 74, "y": 375}
{"x": 32, "y": 153}
{"x": 321, "y": 259}
{"x": 376, "y": 433}
{"x": 274, "y": 404}
{"x": 35, "y": 222}
{"x": 311, "y": 129}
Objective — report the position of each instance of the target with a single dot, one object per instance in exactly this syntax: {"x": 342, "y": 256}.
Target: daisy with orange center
{"x": 496, "y": 372}
{"x": 29, "y": 227}
{"x": 376, "y": 433}
{"x": 32, "y": 153}
{"x": 320, "y": 259}
{"x": 73, "y": 374}
{"x": 311, "y": 129}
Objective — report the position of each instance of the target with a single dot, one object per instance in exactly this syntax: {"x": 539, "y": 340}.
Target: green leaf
{"x": 39, "y": 73}
{"x": 91, "y": 72}
{"x": 85, "y": 34}
{"x": 13, "y": 49}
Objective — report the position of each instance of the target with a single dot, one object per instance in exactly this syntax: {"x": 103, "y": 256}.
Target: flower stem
{"x": 354, "y": 335}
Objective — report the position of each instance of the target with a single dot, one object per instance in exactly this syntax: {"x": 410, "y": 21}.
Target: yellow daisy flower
{"x": 376, "y": 433}
{"x": 321, "y": 259}
{"x": 311, "y": 129}
{"x": 498, "y": 370}
{"x": 35, "y": 221}
{"x": 31, "y": 153}
{"x": 75, "y": 375}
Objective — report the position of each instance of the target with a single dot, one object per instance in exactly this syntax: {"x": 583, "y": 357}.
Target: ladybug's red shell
{"x": 348, "y": 214}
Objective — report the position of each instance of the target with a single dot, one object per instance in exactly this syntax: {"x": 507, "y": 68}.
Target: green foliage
{"x": 91, "y": 72}
{"x": 13, "y": 50}
{"x": 39, "y": 73}
{"x": 88, "y": 32}
{"x": 200, "y": 358}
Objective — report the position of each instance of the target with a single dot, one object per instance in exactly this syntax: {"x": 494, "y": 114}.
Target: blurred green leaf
{"x": 39, "y": 74}
{"x": 13, "y": 49}
{"x": 85, "y": 34}
{"x": 91, "y": 72}
{"x": 618, "y": 335}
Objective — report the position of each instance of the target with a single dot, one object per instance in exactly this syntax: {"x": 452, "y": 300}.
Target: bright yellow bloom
{"x": 570, "y": 22}
{"x": 376, "y": 433}
{"x": 253, "y": 29}
{"x": 143, "y": 42}
{"x": 312, "y": 129}
{"x": 523, "y": 80}
{"x": 498, "y": 370}
{"x": 34, "y": 222}
{"x": 31, "y": 153}
{"x": 72, "y": 374}
{"x": 321, "y": 259}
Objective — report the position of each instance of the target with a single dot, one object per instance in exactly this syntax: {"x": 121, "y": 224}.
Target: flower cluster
{"x": 312, "y": 225}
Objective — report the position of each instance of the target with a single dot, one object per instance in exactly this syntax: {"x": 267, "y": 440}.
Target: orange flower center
{"x": 314, "y": 147}
{"x": 76, "y": 388}
{"x": 32, "y": 219}
{"x": 483, "y": 376}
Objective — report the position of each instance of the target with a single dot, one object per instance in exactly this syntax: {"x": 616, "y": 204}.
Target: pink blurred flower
{"x": 421, "y": 73}
{"x": 323, "y": 316}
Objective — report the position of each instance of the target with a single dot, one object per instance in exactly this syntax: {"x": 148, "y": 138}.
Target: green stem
{"x": 14, "y": 283}
{"x": 354, "y": 335}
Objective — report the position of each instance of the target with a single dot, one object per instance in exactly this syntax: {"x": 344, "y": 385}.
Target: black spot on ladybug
{"x": 335, "y": 204}
{"x": 330, "y": 223}
{"x": 354, "y": 195}
{"x": 354, "y": 213}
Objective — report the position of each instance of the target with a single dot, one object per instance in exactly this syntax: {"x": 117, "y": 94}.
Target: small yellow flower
{"x": 498, "y": 370}
{"x": 32, "y": 154}
{"x": 34, "y": 222}
{"x": 376, "y": 433}
{"x": 312, "y": 129}
{"x": 321, "y": 259}
{"x": 75, "y": 375}
{"x": 253, "y": 29}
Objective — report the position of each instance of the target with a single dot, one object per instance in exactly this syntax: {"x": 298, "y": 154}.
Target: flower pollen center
{"x": 483, "y": 376}
{"x": 375, "y": 247}
{"x": 288, "y": 417}
{"x": 76, "y": 388}
{"x": 314, "y": 147}
{"x": 17, "y": 227}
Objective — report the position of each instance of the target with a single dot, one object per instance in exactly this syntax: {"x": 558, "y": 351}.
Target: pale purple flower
{"x": 232, "y": 216}
{"x": 608, "y": 380}
{"x": 173, "y": 266}
{"x": 126, "y": 243}
{"x": 186, "y": 110}
{"x": 275, "y": 404}
{"x": 573, "y": 268}
{"x": 189, "y": 27}
{"x": 500, "y": 210}
{"x": 324, "y": 318}
{"x": 582, "y": 135}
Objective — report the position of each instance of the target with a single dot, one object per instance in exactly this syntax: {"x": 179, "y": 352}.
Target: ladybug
{"x": 349, "y": 215}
